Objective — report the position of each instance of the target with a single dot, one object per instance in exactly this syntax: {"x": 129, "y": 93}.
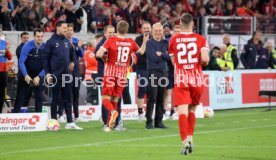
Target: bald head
{"x": 226, "y": 39}
{"x": 157, "y": 31}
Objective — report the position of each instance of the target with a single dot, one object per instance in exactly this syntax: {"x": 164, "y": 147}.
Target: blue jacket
{"x": 100, "y": 61}
{"x": 30, "y": 61}
{"x": 250, "y": 55}
{"x": 264, "y": 59}
{"x": 3, "y": 47}
{"x": 58, "y": 53}
{"x": 158, "y": 63}
{"x": 78, "y": 53}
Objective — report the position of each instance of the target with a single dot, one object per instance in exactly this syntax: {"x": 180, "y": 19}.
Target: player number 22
{"x": 123, "y": 54}
{"x": 182, "y": 51}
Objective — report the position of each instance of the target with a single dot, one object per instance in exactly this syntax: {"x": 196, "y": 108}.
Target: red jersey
{"x": 186, "y": 49}
{"x": 119, "y": 54}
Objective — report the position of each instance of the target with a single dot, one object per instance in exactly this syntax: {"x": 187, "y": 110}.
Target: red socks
{"x": 115, "y": 105}
{"x": 191, "y": 121}
{"x": 108, "y": 105}
{"x": 183, "y": 126}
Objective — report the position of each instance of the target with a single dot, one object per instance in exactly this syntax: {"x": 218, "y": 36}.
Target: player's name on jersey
{"x": 120, "y": 64}
{"x": 123, "y": 43}
{"x": 179, "y": 40}
{"x": 188, "y": 66}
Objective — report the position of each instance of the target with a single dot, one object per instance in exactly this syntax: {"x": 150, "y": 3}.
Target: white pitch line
{"x": 128, "y": 140}
{"x": 166, "y": 145}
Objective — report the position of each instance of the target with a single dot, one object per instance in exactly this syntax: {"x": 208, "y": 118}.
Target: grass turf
{"x": 244, "y": 134}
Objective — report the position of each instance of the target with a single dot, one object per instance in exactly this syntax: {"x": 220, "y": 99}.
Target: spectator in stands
{"x": 230, "y": 10}
{"x": 157, "y": 57}
{"x": 167, "y": 32}
{"x": 178, "y": 11}
{"x": 252, "y": 51}
{"x": 97, "y": 16}
{"x": 87, "y": 6}
{"x": 5, "y": 16}
{"x": 110, "y": 16}
{"x": 74, "y": 17}
{"x": 31, "y": 71}
{"x": 20, "y": 16}
{"x": 12, "y": 4}
{"x": 4, "y": 55}
{"x": 238, "y": 4}
{"x": 210, "y": 7}
{"x": 32, "y": 19}
{"x": 153, "y": 16}
{"x": 196, "y": 7}
{"x": 55, "y": 13}
{"x": 245, "y": 10}
{"x": 231, "y": 56}
{"x": 219, "y": 9}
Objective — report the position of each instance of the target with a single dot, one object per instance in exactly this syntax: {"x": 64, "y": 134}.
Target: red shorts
{"x": 113, "y": 86}
{"x": 187, "y": 95}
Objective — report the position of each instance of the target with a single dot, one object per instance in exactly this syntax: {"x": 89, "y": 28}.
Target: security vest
{"x": 91, "y": 63}
{"x": 221, "y": 63}
{"x": 274, "y": 56}
{"x": 3, "y": 47}
{"x": 228, "y": 57}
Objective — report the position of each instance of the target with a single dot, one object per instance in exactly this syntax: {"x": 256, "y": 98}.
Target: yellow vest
{"x": 274, "y": 56}
{"x": 220, "y": 62}
{"x": 228, "y": 57}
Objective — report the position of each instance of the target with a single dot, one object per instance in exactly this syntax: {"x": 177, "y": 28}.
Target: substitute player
{"x": 119, "y": 50}
{"x": 189, "y": 51}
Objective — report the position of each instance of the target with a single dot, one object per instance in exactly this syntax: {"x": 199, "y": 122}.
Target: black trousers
{"x": 155, "y": 95}
{"x": 21, "y": 94}
{"x": 76, "y": 94}
{"x": 92, "y": 91}
{"x": 126, "y": 95}
{"x": 66, "y": 94}
{"x": 3, "y": 84}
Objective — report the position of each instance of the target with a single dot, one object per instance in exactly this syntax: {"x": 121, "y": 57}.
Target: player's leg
{"x": 196, "y": 93}
{"x": 120, "y": 84}
{"x": 167, "y": 95}
{"x": 107, "y": 92}
{"x": 181, "y": 99}
{"x": 151, "y": 98}
{"x": 142, "y": 90}
{"x": 183, "y": 127}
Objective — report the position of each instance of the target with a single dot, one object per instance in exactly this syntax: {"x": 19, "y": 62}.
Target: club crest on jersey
{"x": 66, "y": 44}
{"x": 57, "y": 45}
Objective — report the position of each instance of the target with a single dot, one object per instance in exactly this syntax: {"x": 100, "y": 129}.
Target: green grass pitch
{"x": 244, "y": 134}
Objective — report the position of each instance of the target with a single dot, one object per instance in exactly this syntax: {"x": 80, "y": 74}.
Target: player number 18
{"x": 182, "y": 51}
{"x": 123, "y": 54}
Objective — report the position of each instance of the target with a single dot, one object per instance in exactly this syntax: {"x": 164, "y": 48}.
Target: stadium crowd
{"x": 93, "y": 15}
